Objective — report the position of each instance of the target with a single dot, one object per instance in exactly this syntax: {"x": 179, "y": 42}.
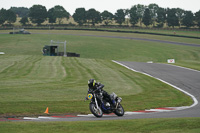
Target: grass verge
{"x": 165, "y": 125}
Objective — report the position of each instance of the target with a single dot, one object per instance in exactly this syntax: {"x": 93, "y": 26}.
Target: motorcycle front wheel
{"x": 96, "y": 111}
{"x": 119, "y": 111}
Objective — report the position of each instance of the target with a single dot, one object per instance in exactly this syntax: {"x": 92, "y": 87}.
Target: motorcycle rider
{"x": 99, "y": 89}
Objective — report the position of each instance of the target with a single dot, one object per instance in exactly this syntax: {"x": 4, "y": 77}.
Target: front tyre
{"x": 96, "y": 111}
{"x": 119, "y": 111}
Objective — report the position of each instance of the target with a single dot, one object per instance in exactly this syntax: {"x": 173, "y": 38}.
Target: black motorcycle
{"x": 100, "y": 105}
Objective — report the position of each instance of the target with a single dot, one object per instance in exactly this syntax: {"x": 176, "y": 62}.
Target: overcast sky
{"x": 101, "y": 5}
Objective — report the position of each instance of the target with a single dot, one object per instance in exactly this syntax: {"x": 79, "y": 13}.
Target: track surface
{"x": 120, "y": 37}
{"x": 186, "y": 79}
{"x": 130, "y": 38}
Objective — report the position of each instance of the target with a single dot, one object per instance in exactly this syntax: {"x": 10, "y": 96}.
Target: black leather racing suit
{"x": 99, "y": 88}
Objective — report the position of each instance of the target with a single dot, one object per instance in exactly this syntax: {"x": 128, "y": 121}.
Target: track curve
{"x": 121, "y": 37}
{"x": 186, "y": 79}
{"x": 130, "y": 38}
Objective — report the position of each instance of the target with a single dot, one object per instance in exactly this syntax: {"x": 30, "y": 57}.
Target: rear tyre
{"x": 119, "y": 111}
{"x": 96, "y": 111}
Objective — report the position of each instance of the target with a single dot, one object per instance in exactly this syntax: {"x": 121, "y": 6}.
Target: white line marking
{"x": 44, "y": 117}
{"x": 89, "y": 115}
{"x": 30, "y": 118}
{"x": 159, "y": 110}
{"x": 133, "y": 113}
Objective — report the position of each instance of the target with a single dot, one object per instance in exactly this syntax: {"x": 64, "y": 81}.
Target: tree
{"x": 188, "y": 19}
{"x": 197, "y": 18}
{"x": 127, "y": 15}
{"x": 93, "y": 16}
{"x": 140, "y": 12}
{"x": 2, "y": 16}
{"x": 24, "y": 20}
{"x": 180, "y": 14}
{"x": 38, "y": 14}
{"x": 153, "y": 12}
{"x": 133, "y": 15}
{"x": 10, "y": 16}
{"x": 60, "y": 13}
{"x": 51, "y": 16}
{"x": 172, "y": 19}
{"x": 7, "y": 15}
{"x": 20, "y": 11}
{"x": 161, "y": 17}
{"x": 120, "y": 16}
{"x": 107, "y": 17}
{"x": 80, "y": 16}
{"x": 146, "y": 17}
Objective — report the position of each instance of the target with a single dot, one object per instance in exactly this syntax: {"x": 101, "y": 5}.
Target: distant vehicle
{"x": 21, "y": 31}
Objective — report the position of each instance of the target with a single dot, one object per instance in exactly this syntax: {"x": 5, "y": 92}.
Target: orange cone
{"x": 47, "y": 111}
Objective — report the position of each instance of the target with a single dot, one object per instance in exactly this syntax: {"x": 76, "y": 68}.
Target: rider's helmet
{"x": 91, "y": 83}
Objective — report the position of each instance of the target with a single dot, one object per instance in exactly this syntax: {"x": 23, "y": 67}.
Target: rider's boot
{"x": 114, "y": 102}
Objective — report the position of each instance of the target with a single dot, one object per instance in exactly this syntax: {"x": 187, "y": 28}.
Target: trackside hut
{"x": 50, "y": 50}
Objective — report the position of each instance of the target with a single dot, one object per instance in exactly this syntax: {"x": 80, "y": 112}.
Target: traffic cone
{"x": 47, "y": 111}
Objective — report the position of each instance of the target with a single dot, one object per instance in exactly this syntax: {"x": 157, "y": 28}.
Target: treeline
{"x": 148, "y": 15}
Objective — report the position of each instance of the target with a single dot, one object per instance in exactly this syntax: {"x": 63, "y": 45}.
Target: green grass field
{"x": 107, "y": 48}
{"x": 30, "y": 82}
{"x": 165, "y": 125}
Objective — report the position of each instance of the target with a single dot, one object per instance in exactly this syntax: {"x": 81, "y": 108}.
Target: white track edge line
{"x": 30, "y": 118}
{"x": 178, "y": 108}
{"x": 45, "y": 117}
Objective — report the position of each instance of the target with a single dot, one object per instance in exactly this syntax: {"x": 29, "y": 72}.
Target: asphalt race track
{"x": 186, "y": 79}
{"x": 120, "y": 37}
{"x": 129, "y": 38}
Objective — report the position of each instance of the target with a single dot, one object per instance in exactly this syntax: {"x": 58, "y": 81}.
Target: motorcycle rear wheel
{"x": 96, "y": 111}
{"x": 119, "y": 111}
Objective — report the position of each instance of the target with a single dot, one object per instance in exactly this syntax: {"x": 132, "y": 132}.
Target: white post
{"x": 65, "y": 53}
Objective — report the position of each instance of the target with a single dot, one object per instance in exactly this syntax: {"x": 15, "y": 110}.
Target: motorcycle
{"x": 100, "y": 104}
